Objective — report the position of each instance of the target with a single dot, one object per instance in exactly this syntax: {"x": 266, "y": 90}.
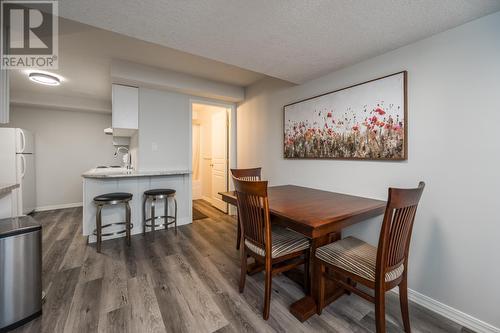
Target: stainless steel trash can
{"x": 20, "y": 271}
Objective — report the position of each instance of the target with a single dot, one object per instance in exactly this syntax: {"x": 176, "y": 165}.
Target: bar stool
{"x": 153, "y": 195}
{"x": 110, "y": 199}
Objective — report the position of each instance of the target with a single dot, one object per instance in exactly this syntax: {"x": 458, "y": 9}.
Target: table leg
{"x": 306, "y": 306}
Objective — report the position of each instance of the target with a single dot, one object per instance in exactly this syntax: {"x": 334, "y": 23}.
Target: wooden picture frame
{"x": 365, "y": 121}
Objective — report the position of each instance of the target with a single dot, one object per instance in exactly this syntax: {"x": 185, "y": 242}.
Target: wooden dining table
{"x": 320, "y": 216}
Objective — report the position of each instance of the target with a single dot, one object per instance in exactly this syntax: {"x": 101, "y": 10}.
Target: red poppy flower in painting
{"x": 373, "y": 119}
{"x": 355, "y": 128}
{"x": 380, "y": 111}
{"x": 329, "y": 114}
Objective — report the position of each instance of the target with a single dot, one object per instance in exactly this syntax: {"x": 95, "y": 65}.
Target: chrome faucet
{"x": 128, "y": 164}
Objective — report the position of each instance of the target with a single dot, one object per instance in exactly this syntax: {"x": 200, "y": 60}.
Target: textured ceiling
{"x": 85, "y": 55}
{"x": 295, "y": 40}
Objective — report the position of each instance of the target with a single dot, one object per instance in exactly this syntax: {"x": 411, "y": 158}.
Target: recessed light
{"x": 43, "y": 78}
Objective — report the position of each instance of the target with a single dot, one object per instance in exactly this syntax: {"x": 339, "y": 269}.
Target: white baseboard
{"x": 52, "y": 207}
{"x": 451, "y": 313}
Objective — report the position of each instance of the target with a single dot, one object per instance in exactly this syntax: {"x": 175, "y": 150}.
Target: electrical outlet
{"x": 154, "y": 146}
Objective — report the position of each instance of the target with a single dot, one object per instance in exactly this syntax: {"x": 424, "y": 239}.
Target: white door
{"x": 26, "y": 177}
{"x": 219, "y": 158}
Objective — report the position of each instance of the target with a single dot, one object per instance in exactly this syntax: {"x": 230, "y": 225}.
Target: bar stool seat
{"x": 152, "y": 196}
{"x": 161, "y": 191}
{"x": 113, "y": 196}
{"x": 110, "y": 199}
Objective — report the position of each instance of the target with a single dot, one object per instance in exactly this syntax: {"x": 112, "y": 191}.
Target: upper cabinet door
{"x": 125, "y": 119}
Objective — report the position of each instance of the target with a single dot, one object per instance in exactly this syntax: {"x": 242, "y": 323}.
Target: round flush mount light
{"x": 44, "y": 78}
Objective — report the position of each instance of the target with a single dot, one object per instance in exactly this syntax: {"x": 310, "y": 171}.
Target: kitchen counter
{"x": 7, "y": 188}
{"x": 8, "y": 203}
{"x": 124, "y": 173}
{"x": 99, "y": 181}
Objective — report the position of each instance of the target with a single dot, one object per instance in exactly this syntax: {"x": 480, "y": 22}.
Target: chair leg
{"x": 243, "y": 273}
{"x": 349, "y": 282}
{"x": 307, "y": 273}
{"x": 238, "y": 234}
{"x": 321, "y": 285}
{"x": 403, "y": 300}
{"x": 267, "y": 296}
{"x": 128, "y": 225}
{"x": 380, "y": 309}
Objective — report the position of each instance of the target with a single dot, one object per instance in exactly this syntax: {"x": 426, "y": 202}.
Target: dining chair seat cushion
{"x": 355, "y": 256}
{"x": 285, "y": 241}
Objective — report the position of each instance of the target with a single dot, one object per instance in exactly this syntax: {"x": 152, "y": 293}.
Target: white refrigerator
{"x": 17, "y": 166}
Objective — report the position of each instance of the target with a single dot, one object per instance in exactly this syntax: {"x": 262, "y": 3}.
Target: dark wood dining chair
{"x": 350, "y": 260}
{"x": 245, "y": 174}
{"x": 278, "y": 249}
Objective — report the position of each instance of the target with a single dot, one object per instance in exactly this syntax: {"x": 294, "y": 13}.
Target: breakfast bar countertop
{"x": 101, "y": 173}
{"x": 7, "y": 188}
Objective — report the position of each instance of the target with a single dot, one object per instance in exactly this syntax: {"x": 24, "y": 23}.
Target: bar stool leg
{"x": 153, "y": 217}
{"x": 144, "y": 217}
{"x": 166, "y": 213}
{"x": 175, "y": 215}
{"x": 98, "y": 228}
{"x": 127, "y": 221}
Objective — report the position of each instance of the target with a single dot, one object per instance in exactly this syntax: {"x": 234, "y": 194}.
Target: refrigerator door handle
{"x": 24, "y": 165}
{"x": 23, "y": 139}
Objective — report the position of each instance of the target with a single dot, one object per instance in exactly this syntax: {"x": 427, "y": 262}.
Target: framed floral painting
{"x": 366, "y": 121}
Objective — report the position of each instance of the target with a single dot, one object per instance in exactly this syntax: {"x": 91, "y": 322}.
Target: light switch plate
{"x": 154, "y": 146}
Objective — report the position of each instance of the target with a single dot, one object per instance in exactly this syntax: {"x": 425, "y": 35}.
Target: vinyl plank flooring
{"x": 204, "y": 311}
{"x": 58, "y": 300}
{"x": 75, "y": 254}
{"x": 83, "y": 314}
{"x": 114, "y": 282}
{"x": 116, "y": 321}
{"x": 182, "y": 283}
{"x": 145, "y": 312}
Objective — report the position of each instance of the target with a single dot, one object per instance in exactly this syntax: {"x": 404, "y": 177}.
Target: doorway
{"x": 210, "y": 155}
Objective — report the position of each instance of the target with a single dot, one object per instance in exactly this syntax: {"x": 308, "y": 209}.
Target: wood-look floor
{"x": 183, "y": 283}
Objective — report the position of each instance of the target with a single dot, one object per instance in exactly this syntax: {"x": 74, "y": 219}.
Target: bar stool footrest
{"x": 170, "y": 219}
{"x": 113, "y": 233}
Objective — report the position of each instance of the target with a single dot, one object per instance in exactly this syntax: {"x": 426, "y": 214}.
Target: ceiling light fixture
{"x": 42, "y": 78}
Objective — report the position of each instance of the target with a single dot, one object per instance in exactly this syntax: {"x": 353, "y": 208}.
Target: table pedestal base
{"x": 305, "y": 308}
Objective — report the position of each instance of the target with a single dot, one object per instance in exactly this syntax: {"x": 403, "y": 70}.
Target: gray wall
{"x": 454, "y": 104}
{"x": 67, "y": 143}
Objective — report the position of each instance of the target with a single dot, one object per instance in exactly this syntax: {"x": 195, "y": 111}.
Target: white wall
{"x": 164, "y": 141}
{"x": 454, "y": 109}
{"x": 67, "y": 143}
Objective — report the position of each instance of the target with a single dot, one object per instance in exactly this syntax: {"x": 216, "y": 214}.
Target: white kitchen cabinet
{"x": 125, "y": 118}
